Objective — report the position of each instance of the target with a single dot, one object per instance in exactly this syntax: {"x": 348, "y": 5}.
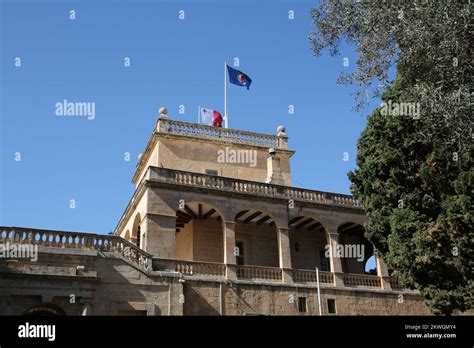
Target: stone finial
{"x": 163, "y": 112}
{"x": 281, "y": 131}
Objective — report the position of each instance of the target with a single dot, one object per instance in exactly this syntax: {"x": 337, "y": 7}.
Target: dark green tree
{"x": 414, "y": 175}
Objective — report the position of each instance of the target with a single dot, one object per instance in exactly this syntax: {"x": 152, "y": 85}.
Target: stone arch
{"x": 136, "y": 237}
{"x": 356, "y": 248}
{"x": 45, "y": 309}
{"x": 256, "y": 238}
{"x": 199, "y": 232}
{"x": 308, "y": 243}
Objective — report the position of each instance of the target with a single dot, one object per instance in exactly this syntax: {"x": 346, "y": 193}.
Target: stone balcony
{"x": 168, "y": 130}
{"x": 259, "y": 274}
{"x": 48, "y": 241}
{"x": 226, "y": 135}
{"x": 231, "y": 185}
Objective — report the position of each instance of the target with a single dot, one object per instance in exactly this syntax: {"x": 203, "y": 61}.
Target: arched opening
{"x": 136, "y": 231}
{"x": 127, "y": 235}
{"x": 308, "y": 243}
{"x": 256, "y": 239}
{"x": 354, "y": 249}
{"x": 199, "y": 233}
{"x": 371, "y": 266}
{"x": 47, "y": 309}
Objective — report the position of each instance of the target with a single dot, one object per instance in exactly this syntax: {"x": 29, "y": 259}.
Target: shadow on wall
{"x": 197, "y": 304}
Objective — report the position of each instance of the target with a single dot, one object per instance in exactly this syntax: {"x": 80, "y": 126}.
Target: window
{"x": 240, "y": 257}
{"x": 302, "y": 305}
{"x": 212, "y": 172}
{"x": 331, "y": 306}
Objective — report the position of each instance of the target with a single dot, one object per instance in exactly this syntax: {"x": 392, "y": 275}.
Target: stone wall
{"x": 202, "y": 240}
{"x": 208, "y": 240}
{"x": 311, "y": 244}
{"x": 113, "y": 286}
{"x": 184, "y": 242}
{"x": 110, "y": 284}
{"x": 257, "y": 299}
{"x": 260, "y": 244}
{"x": 196, "y": 156}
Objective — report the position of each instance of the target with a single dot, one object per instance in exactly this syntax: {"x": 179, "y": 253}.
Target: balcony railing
{"x": 105, "y": 243}
{"x": 361, "y": 280}
{"x": 309, "y": 276}
{"x": 198, "y": 268}
{"x": 259, "y": 273}
{"x": 220, "y": 134}
{"x": 178, "y": 177}
{"x": 395, "y": 285}
{"x": 76, "y": 240}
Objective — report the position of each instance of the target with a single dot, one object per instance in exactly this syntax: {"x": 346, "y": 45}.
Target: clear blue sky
{"x": 173, "y": 62}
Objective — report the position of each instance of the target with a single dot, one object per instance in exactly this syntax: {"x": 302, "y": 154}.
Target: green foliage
{"x": 419, "y": 203}
{"x": 414, "y": 175}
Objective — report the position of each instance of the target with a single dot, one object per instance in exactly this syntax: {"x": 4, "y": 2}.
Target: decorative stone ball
{"x": 281, "y": 131}
{"x": 163, "y": 112}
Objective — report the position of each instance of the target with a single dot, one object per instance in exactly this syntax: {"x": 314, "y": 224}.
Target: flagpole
{"x": 226, "y": 123}
{"x": 199, "y": 114}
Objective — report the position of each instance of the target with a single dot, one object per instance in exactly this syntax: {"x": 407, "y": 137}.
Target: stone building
{"x": 214, "y": 227}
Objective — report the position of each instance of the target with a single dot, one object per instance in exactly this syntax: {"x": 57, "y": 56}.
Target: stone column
{"x": 160, "y": 234}
{"x": 284, "y": 254}
{"x": 335, "y": 261}
{"x": 229, "y": 245}
{"x": 274, "y": 175}
{"x": 382, "y": 272}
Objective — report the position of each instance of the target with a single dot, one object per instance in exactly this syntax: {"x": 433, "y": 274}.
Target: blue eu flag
{"x": 238, "y": 77}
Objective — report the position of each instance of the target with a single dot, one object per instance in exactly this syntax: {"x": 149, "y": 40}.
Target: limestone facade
{"x": 209, "y": 235}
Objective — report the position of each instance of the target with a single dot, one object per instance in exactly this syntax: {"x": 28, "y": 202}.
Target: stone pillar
{"x": 336, "y": 262}
{"x": 229, "y": 245}
{"x": 274, "y": 175}
{"x": 160, "y": 234}
{"x": 382, "y": 272}
{"x": 284, "y": 254}
{"x": 176, "y": 299}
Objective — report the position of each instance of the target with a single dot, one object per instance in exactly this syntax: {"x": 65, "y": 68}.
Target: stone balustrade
{"x": 395, "y": 285}
{"x": 259, "y": 273}
{"x": 309, "y": 276}
{"x": 220, "y": 134}
{"x": 200, "y": 268}
{"x": 106, "y": 243}
{"x": 76, "y": 240}
{"x": 361, "y": 280}
{"x": 178, "y": 177}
